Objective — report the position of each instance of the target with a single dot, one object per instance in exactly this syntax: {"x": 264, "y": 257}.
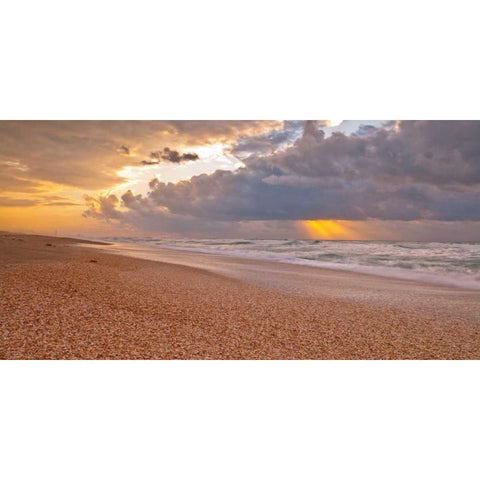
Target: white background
{"x": 239, "y": 60}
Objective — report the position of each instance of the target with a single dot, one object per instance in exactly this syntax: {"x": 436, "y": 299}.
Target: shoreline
{"x": 66, "y": 300}
{"x": 452, "y": 280}
{"x": 227, "y": 265}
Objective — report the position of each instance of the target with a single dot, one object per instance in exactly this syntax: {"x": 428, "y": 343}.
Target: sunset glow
{"x": 242, "y": 179}
{"x": 330, "y": 229}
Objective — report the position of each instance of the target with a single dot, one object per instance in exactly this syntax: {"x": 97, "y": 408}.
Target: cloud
{"x": 364, "y": 130}
{"x": 89, "y": 154}
{"x": 12, "y": 178}
{"x": 427, "y": 152}
{"x": 12, "y": 200}
{"x": 268, "y": 142}
{"x": 169, "y": 155}
{"x": 102, "y": 207}
{"x": 419, "y": 170}
{"x": 189, "y": 156}
{"x": 149, "y": 162}
{"x": 17, "y": 202}
{"x": 61, "y": 204}
{"x": 123, "y": 150}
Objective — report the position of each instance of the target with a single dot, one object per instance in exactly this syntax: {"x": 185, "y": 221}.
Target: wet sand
{"x": 60, "y": 300}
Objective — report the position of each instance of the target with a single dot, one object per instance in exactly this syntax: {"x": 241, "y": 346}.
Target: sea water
{"x": 446, "y": 263}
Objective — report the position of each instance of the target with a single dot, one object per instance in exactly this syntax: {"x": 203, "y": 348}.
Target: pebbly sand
{"x": 60, "y": 300}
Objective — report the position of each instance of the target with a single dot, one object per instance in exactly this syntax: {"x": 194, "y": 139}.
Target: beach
{"x": 66, "y": 299}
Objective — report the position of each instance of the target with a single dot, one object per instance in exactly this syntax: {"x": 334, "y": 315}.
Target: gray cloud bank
{"x": 411, "y": 170}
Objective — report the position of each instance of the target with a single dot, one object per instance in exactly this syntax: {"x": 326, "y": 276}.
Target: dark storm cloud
{"x": 431, "y": 152}
{"x": 169, "y": 155}
{"x": 419, "y": 170}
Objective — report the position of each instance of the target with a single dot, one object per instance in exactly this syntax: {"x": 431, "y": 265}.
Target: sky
{"x": 325, "y": 179}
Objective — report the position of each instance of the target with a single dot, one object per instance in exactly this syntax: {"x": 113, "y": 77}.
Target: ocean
{"x": 456, "y": 264}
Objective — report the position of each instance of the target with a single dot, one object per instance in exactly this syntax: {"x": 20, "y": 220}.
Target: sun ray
{"x": 330, "y": 229}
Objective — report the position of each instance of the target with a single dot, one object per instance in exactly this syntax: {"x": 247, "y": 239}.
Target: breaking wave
{"x": 433, "y": 262}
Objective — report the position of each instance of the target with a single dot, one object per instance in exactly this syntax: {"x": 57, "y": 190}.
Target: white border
{"x": 254, "y": 59}
{"x": 248, "y": 60}
{"x": 237, "y": 420}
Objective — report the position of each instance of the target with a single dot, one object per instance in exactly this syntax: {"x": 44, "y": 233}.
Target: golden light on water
{"x": 330, "y": 229}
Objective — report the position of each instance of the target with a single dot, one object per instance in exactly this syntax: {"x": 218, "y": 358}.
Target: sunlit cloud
{"x": 333, "y": 123}
{"x": 331, "y": 179}
{"x": 211, "y": 158}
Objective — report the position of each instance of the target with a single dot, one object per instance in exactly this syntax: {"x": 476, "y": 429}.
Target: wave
{"x": 433, "y": 262}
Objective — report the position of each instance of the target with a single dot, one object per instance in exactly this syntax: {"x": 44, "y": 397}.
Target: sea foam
{"x": 455, "y": 264}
